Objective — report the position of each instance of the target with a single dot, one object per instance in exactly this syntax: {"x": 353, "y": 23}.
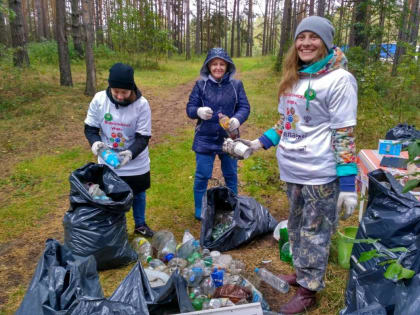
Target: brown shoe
{"x": 290, "y": 279}
{"x": 303, "y": 300}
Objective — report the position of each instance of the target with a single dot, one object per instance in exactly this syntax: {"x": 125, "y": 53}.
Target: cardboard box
{"x": 389, "y": 147}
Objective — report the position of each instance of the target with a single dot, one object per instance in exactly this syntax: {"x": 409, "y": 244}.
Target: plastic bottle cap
{"x": 256, "y": 270}
{"x": 149, "y": 258}
{"x": 169, "y": 256}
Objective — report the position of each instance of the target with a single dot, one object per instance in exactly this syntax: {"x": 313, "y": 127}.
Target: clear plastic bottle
{"x": 224, "y": 122}
{"x": 270, "y": 278}
{"x": 143, "y": 249}
{"x": 207, "y": 286}
{"x": 187, "y": 248}
{"x": 164, "y": 242}
{"x": 177, "y": 263}
{"x": 187, "y": 236}
{"x": 195, "y": 275}
{"x": 97, "y": 193}
{"x": 110, "y": 157}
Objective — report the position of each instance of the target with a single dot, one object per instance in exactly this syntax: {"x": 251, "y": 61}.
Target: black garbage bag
{"x": 135, "y": 290}
{"x": 403, "y": 132}
{"x": 87, "y": 305}
{"x": 392, "y": 217}
{"x": 98, "y": 227}
{"x": 248, "y": 220}
{"x": 59, "y": 280}
{"x": 408, "y": 301}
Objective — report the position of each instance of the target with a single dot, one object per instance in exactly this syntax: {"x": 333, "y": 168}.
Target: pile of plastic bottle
{"x": 222, "y": 222}
{"x": 214, "y": 279}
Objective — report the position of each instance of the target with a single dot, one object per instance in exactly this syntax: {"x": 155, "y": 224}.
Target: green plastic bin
{"x": 345, "y": 245}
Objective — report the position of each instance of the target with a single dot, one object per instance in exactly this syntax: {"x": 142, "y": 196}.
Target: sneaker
{"x": 144, "y": 230}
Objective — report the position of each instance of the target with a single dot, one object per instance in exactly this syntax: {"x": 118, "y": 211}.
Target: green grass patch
{"x": 35, "y": 188}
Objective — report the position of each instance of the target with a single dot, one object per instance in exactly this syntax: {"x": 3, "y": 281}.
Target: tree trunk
{"x": 46, "y": 19}
{"x": 264, "y": 41}
{"x": 99, "y": 23}
{"x": 39, "y": 21}
{"x": 381, "y": 24}
{"x": 198, "y": 29}
{"x": 3, "y": 30}
{"x": 402, "y": 37}
{"x": 414, "y": 23}
{"x": 188, "y": 39}
{"x": 358, "y": 31}
{"x": 75, "y": 27}
{"x": 226, "y": 25}
{"x": 238, "y": 30}
{"x": 20, "y": 55}
{"x": 249, "y": 30}
{"x": 63, "y": 50}
{"x": 321, "y": 8}
{"x": 285, "y": 33}
{"x": 90, "y": 60}
{"x": 232, "y": 35}
{"x": 311, "y": 7}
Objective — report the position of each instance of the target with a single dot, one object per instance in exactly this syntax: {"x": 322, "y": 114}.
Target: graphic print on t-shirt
{"x": 117, "y": 138}
{"x": 291, "y": 133}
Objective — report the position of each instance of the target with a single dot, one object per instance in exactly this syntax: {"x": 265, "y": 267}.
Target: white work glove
{"x": 347, "y": 202}
{"x": 124, "y": 157}
{"x": 205, "y": 113}
{"x": 97, "y": 146}
{"x": 234, "y": 124}
{"x": 255, "y": 145}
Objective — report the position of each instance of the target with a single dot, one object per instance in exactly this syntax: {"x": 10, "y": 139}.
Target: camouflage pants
{"x": 312, "y": 220}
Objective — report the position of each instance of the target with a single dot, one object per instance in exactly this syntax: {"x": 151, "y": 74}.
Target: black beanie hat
{"x": 121, "y": 76}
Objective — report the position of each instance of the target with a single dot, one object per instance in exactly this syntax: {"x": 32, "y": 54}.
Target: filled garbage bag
{"x": 135, "y": 290}
{"x": 98, "y": 226}
{"x": 59, "y": 280}
{"x": 402, "y": 132}
{"x": 408, "y": 302}
{"x": 392, "y": 217}
{"x": 229, "y": 220}
{"x": 87, "y": 305}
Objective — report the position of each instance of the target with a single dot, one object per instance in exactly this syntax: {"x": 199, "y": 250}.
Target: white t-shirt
{"x": 118, "y": 128}
{"x": 304, "y": 153}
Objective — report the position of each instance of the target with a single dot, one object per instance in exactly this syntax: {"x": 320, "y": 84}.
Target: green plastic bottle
{"x": 285, "y": 254}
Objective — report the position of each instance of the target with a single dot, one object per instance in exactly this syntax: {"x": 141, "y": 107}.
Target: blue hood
{"x": 217, "y": 53}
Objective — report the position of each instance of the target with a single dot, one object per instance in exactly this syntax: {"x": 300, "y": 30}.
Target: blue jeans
{"x": 139, "y": 208}
{"x": 203, "y": 172}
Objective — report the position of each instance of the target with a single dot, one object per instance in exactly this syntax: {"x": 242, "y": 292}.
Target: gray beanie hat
{"x": 318, "y": 25}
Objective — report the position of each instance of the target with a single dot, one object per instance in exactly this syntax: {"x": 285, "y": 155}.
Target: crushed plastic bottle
{"x": 143, "y": 249}
{"x": 195, "y": 275}
{"x": 207, "y": 286}
{"x": 222, "y": 261}
{"x": 198, "y": 300}
{"x": 193, "y": 257}
{"x": 236, "y": 267}
{"x": 177, "y": 263}
{"x": 96, "y": 192}
{"x": 110, "y": 157}
{"x": 164, "y": 242}
{"x": 187, "y": 236}
{"x": 270, "y": 278}
{"x": 187, "y": 248}
{"x": 217, "y": 277}
{"x": 158, "y": 265}
{"x": 217, "y": 303}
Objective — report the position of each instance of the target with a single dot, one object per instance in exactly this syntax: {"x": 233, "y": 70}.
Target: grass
{"x": 42, "y": 140}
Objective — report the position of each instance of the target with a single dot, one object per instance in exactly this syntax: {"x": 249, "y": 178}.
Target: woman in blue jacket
{"x": 216, "y": 92}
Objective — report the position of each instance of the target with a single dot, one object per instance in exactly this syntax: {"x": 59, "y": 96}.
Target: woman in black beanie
{"x": 119, "y": 118}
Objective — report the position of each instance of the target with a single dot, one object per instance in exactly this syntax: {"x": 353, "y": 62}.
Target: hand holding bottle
{"x": 205, "y": 113}
{"x": 97, "y": 146}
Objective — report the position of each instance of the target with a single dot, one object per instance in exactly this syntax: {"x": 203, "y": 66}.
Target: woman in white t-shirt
{"x": 119, "y": 118}
{"x": 315, "y": 152}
